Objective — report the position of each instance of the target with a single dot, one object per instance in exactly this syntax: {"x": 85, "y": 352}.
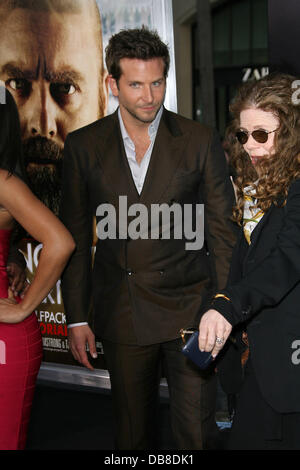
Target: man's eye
{"x": 134, "y": 85}
{"x": 18, "y": 84}
{"x": 62, "y": 89}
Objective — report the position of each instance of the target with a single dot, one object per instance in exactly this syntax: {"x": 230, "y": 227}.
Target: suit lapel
{"x": 257, "y": 231}
{"x": 114, "y": 164}
{"x": 167, "y": 154}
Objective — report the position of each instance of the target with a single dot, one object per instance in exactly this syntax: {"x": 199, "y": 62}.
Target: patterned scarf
{"x": 252, "y": 215}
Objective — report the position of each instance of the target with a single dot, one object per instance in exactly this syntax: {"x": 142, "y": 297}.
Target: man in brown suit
{"x": 144, "y": 289}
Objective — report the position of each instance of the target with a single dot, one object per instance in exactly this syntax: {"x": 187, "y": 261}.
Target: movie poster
{"x": 55, "y": 70}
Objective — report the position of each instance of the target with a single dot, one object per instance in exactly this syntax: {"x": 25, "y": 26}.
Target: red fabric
{"x": 20, "y": 359}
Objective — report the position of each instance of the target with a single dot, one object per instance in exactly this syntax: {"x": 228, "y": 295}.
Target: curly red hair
{"x": 273, "y": 93}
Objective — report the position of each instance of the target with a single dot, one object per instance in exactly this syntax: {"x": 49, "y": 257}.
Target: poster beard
{"x": 43, "y": 163}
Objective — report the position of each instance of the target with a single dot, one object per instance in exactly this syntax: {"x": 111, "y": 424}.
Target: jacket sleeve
{"x": 75, "y": 213}
{"x": 274, "y": 277}
{"x": 220, "y": 231}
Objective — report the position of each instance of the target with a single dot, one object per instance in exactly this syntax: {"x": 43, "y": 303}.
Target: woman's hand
{"x": 11, "y": 311}
{"x": 214, "y": 330}
{"x": 17, "y": 278}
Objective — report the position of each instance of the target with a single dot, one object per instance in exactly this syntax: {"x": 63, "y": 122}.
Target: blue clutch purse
{"x": 192, "y": 351}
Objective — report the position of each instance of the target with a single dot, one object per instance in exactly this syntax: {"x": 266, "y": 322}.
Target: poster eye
{"x": 62, "y": 89}
{"x": 19, "y": 85}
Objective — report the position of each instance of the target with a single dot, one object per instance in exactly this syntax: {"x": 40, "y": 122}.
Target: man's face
{"x": 50, "y": 62}
{"x": 141, "y": 89}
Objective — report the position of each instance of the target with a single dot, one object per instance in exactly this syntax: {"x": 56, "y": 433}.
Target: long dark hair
{"x": 10, "y": 135}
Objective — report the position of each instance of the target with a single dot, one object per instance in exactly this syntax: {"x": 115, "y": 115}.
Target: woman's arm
{"x": 43, "y": 226}
{"x": 262, "y": 287}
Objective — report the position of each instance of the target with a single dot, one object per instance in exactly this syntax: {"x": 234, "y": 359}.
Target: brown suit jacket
{"x": 144, "y": 291}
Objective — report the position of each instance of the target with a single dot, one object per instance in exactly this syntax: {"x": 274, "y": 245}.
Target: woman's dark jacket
{"x": 264, "y": 289}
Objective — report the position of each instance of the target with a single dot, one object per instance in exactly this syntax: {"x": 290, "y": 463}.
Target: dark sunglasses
{"x": 260, "y": 135}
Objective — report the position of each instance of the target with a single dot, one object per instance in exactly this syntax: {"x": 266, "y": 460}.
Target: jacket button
{"x": 246, "y": 311}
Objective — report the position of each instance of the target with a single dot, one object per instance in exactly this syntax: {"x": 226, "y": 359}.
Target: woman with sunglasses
{"x": 20, "y": 338}
{"x": 259, "y": 308}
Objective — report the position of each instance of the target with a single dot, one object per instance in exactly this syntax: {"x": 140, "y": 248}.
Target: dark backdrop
{"x": 284, "y": 37}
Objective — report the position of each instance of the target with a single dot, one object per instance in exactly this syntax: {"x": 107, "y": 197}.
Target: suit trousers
{"x": 135, "y": 373}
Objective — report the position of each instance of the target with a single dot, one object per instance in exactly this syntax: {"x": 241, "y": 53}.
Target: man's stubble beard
{"x": 138, "y": 118}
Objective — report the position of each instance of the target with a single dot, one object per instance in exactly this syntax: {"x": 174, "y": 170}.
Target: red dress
{"x": 20, "y": 359}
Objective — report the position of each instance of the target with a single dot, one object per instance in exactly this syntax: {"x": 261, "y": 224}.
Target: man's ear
{"x": 113, "y": 85}
{"x": 105, "y": 92}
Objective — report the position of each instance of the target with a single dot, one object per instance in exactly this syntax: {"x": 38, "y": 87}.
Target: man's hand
{"x": 79, "y": 337}
{"x": 214, "y": 330}
{"x": 17, "y": 279}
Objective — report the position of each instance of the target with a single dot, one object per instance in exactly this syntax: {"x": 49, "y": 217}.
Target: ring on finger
{"x": 219, "y": 340}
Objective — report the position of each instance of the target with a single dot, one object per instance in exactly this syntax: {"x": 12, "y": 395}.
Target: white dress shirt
{"x": 138, "y": 171}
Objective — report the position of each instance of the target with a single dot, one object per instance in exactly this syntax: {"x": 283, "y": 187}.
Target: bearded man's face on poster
{"x": 54, "y": 69}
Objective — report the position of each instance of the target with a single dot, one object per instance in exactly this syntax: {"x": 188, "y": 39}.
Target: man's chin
{"x": 147, "y": 117}
{"x": 143, "y": 115}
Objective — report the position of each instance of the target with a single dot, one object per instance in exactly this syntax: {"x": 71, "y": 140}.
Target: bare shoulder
{"x": 4, "y": 174}
{"x": 7, "y": 191}
{"x": 8, "y": 179}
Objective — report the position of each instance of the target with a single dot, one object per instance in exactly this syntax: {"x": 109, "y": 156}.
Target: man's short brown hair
{"x": 140, "y": 44}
